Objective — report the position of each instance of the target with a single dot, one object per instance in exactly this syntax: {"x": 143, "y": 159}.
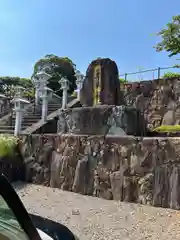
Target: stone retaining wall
{"x": 158, "y": 100}
{"x": 143, "y": 170}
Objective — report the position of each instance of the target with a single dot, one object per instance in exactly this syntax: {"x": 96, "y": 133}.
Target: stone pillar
{"x": 44, "y": 105}
{"x": 36, "y": 96}
{"x": 19, "y": 109}
{"x": 79, "y": 83}
{"x": 37, "y": 89}
{"x": 18, "y": 122}
{"x": 64, "y": 86}
{"x": 64, "y": 98}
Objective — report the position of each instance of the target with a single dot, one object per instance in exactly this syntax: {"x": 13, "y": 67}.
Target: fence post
{"x": 159, "y": 72}
{"x": 125, "y": 77}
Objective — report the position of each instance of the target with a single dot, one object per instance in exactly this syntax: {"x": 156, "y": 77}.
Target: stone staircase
{"x": 32, "y": 115}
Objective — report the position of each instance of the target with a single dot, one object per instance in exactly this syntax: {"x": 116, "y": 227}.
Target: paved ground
{"x": 98, "y": 219}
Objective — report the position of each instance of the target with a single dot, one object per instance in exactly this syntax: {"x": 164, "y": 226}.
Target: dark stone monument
{"x": 101, "y": 85}
{"x": 104, "y": 111}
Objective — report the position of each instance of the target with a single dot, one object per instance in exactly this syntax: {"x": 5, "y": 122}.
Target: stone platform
{"x": 102, "y": 120}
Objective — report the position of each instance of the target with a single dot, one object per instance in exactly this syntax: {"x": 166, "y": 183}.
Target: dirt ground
{"x": 99, "y": 219}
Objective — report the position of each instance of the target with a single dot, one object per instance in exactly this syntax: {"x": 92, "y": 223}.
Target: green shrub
{"x": 122, "y": 80}
{"x": 169, "y": 75}
{"x": 7, "y": 145}
{"x": 167, "y": 128}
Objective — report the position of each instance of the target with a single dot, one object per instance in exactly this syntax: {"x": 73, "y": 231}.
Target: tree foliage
{"x": 169, "y": 75}
{"x": 170, "y": 37}
{"x": 8, "y": 84}
{"x": 122, "y": 80}
{"x": 57, "y": 67}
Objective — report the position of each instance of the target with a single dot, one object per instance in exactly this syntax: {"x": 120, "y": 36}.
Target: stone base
{"x": 102, "y": 120}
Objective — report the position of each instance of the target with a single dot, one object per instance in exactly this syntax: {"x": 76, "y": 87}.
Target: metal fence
{"x": 157, "y": 72}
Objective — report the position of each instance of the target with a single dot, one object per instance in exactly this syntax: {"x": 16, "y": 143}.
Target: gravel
{"x": 99, "y": 219}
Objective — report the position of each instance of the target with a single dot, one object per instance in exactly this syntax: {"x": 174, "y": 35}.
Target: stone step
{"x": 27, "y": 122}
{"x": 31, "y": 117}
{"x": 49, "y": 106}
{"x": 39, "y": 112}
{"x": 8, "y": 131}
{"x": 11, "y": 127}
{"x": 6, "y": 127}
{"x": 28, "y": 118}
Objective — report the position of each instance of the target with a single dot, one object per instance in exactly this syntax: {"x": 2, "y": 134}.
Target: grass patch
{"x": 167, "y": 129}
{"x": 7, "y": 145}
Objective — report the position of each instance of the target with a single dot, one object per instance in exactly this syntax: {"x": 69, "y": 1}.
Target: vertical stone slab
{"x": 101, "y": 85}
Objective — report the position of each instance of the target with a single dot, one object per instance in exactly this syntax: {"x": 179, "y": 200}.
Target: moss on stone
{"x": 167, "y": 128}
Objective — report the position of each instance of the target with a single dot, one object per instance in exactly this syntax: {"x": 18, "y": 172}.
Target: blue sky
{"x": 83, "y": 30}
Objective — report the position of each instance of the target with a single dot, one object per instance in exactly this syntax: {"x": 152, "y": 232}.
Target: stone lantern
{"x": 65, "y": 87}
{"x": 41, "y": 80}
{"x": 19, "y": 108}
{"x": 37, "y": 89}
{"x": 19, "y": 91}
{"x": 2, "y": 99}
{"x": 79, "y": 83}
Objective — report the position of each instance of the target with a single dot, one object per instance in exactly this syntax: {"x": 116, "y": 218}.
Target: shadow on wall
{"x": 13, "y": 167}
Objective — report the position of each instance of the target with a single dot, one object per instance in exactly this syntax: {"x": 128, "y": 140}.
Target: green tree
{"x": 8, "y": 84}
{"x": 57, "y": 67}
{"x": 170, "y": 37}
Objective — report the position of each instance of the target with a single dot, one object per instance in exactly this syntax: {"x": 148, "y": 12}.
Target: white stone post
{"x": 37, "y": 86}
{"x": 64, "y": 86}
{"x": 37, "y": 93}
{"x": 18, "y": 122}
{"x": 64, "y": 99}
{"x": 79, "y": 83}
{"x": 42, "y": 79}
{"x": 44, "y": 104}
{"x": 19, "y": 109}
{"x": 36, "y": 96}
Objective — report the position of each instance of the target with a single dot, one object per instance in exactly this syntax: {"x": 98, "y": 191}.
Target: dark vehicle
{"x": 17, "y": 224}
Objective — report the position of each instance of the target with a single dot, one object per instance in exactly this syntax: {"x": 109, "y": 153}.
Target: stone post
{"x": 64, "y": 86}
{"x": 2, "y": 104}
{"x": 44, "y": 104}
{"x": 37, "y": 95}
{"x": 19, "y": 109}
{"x": 42, "y": 79}
{"x": 37, "y": 86}
{"x": 18, "y": 121}
{"x": 79, "y": 83}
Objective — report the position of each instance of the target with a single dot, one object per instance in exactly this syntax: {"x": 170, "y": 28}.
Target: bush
{"x": 7, "y": 145}
{"x": 167, "y": 128}
{"x": 169, "y": 75}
